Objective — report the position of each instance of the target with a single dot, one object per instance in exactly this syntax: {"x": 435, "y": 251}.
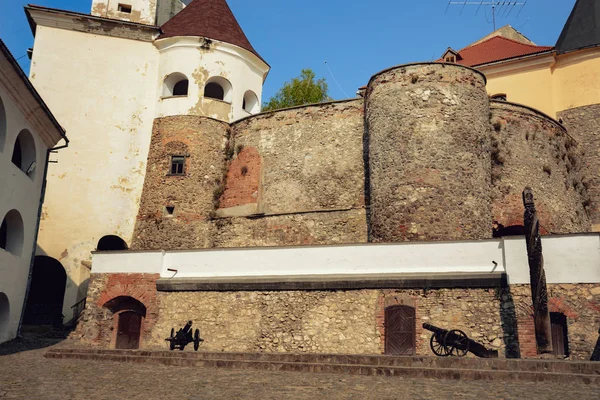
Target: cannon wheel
{"x": 461, "y": 347}
{"x": 172, "y": 341}
{"x": 196, "y": 339}
{"x": 439, "y": 349}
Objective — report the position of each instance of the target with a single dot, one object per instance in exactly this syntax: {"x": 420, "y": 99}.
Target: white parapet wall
{"x": 568, "y": 259}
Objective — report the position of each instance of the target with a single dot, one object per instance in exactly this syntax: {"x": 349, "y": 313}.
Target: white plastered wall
{"x": 18, "y": 192}
{"x": 142, "y": 11}
{"x": 102, "y": 90}
{"x": 187, "y": 56}
{"x": 568, "y": 259}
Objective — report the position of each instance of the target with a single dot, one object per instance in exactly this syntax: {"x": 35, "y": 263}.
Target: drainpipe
{"x": 37, "y": 228}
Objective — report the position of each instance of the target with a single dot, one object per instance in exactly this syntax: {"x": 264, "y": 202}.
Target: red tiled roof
{"x": 497, "y": 48}
{"x": 208, "y": 18}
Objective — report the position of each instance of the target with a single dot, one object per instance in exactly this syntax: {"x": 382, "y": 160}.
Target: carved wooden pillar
{"x": 539, "y": 293}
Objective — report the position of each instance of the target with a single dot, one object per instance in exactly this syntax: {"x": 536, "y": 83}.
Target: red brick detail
{"x": 141, "y": 287}
{"x": 509, "y": 210}
{"x": 558, "y": 305}
{"x": 243, "y": 179}
{"x": 527, "y": 342}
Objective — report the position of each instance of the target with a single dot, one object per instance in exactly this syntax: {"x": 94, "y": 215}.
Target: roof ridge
{"x": 507, "y": 39}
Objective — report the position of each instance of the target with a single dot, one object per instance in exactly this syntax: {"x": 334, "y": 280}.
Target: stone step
{"x": 396, "y": 366}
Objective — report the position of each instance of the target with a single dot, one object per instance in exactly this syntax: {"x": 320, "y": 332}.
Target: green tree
{"x": 300, "y": 90}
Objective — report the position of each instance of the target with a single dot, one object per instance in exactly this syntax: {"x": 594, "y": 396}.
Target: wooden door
{"x": 400, "y": 331}
{"x": 558, "y": 323}
{"x": 128, "y": 332}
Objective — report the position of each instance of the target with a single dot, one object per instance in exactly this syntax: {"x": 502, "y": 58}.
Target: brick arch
{"x": 138, "y": 288}
{"x": 558, "y": 305}
{"x": 124, "y": 290}
{"x": 176, "y": 146}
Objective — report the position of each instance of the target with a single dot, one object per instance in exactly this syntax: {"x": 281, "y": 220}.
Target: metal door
{"x": 400, "y": 331}
{"x": 128, "y": 332}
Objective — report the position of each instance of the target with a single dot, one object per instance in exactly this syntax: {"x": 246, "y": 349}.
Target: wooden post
{"x": 539, "y": 292}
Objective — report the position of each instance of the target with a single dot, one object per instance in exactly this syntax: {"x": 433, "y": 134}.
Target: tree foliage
{"x": 303, "y": 89}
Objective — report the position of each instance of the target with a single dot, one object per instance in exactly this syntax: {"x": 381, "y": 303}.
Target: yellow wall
{"x": 577, "y": 79}
{"x": 549, "y": 83}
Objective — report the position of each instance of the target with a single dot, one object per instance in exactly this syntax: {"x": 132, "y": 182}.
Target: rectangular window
{"x": 124, "y": 8}
{"x": 177, "y": 165}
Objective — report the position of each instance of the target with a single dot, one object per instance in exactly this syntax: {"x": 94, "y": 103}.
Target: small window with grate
{"x": 177, "y": 165}
{"x": 124, "y": 8}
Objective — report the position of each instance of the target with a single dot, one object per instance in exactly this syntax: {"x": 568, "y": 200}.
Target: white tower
{"x": 150, "y": 12}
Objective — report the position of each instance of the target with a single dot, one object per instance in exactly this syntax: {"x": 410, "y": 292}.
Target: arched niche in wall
{"x": 24, "y": 153}
{"x": 218, "y": 88}
{"x": 111, "y": 243}
{"x": 11, "y": 233}
{"x": 2, "y": 125}
{"x": 250, "y": 103}
{"x": 176, "y": 84}
{"x": 46, "y": 293}
{"x": 4, "y": 316}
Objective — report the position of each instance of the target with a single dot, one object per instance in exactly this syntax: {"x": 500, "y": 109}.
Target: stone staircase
{"x": 407, "y": 367}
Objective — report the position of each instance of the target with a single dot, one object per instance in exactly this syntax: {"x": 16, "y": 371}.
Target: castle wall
{"x": 429, "y": 164}
{"x": 583, "y": 123}
{"x": 302, "y": 170}
{"x": 106, "y": 105}
{"x": 530, "y": 149}
{"x": 293, "y": 229}
{"x": 298, "y": 173}
{"x": 343, "y": 321}
{"x": 202, "y": 141}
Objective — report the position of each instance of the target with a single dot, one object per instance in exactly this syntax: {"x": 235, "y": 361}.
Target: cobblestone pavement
{"x": 27, "y": 374}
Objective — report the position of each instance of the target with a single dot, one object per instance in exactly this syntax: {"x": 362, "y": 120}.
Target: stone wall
{"x": 429, "y": 161}
{"x": 338, "y": 321}
{"x": 580, "y": 303}
{"x": 203, "y": 143}
{"x": 311, "y": 157}
{"x": 286, "y": 178}
{"x": 583, "y": 124}
{"x": 531, "y": 149}
{"x": 332, "y": 227}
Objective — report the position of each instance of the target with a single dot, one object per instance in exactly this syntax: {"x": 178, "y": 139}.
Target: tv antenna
{"x": 499, "y": 7}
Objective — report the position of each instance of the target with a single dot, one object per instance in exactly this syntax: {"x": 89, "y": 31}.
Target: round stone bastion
{"x": 429, "y": 161}
{"x": 528, "y": 148}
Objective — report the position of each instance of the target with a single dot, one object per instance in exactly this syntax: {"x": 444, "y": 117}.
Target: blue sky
{"x": 357, "y": 38}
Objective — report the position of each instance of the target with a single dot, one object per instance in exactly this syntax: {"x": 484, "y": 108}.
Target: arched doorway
{"x": 4, "y": 317}
{"x": 111, "y": 243}
{"x": 46, "y": 293}
{"x": 400, "y": 335}
{"x": 128, "y": 314}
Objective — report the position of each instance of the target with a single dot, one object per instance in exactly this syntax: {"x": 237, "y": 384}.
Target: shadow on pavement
{"x": 22, "y": 344}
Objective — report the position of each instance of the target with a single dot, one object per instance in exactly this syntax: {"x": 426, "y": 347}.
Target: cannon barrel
{"x": 433, "y": 328}
{"x": 187, "y": 327}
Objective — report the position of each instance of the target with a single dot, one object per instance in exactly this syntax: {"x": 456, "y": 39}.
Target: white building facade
{"x": 28, "y": 132}
{"x": 107, "y": 76}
